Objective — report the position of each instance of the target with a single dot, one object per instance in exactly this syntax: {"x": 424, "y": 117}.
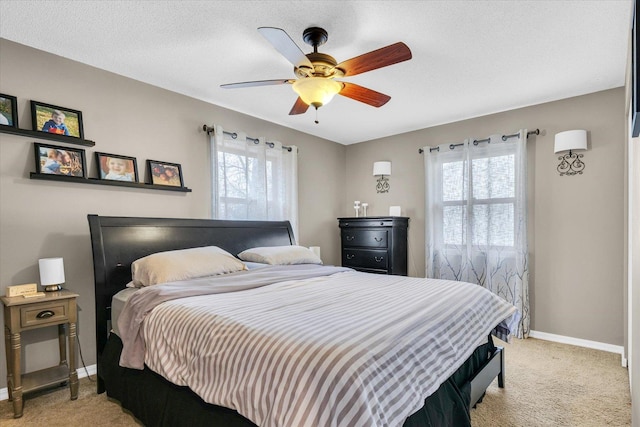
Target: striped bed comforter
{"x": 344, "y": 349}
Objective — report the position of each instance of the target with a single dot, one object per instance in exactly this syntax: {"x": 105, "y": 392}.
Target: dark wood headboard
{"x": 118, "y": 241}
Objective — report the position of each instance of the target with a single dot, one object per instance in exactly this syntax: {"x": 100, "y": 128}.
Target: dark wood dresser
{"x": 375, "y": 244}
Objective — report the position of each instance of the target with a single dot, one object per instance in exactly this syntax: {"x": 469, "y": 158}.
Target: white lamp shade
{"x": 570, "y": 140}
{"x": 51, "y": 271}
{"x": 381, "y": 168}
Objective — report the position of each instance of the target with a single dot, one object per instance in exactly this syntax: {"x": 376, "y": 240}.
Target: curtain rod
{"x": 478, "y": 141}
{"x": 233, "y": 135}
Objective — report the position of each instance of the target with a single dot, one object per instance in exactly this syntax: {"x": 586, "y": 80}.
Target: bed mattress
{"x": 317, "y": 350}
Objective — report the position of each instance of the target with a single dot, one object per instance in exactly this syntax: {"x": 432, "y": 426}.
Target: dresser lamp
{"x": 381, "y": 169}
{"x": 51, "y": 273}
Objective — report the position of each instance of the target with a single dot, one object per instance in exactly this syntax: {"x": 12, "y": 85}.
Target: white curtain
{"x": 476, "y": 218}
{"x": 253, "y": 179}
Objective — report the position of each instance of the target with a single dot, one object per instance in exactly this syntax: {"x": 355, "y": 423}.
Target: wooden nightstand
{"x": 23, "y": 314}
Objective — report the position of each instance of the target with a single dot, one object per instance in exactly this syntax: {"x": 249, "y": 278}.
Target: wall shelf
{"x": 78, "y": 180}
{"x": 44, "y": 135}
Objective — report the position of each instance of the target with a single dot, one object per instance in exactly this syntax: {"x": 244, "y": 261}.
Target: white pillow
{"x": 183, "y": 264}
{"x": 280, "y": 255}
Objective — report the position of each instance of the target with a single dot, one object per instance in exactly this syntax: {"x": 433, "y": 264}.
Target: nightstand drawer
{"x": 365, "y": 258}
{"x": 368, "y": 238}
{"x": 53, "y": 312}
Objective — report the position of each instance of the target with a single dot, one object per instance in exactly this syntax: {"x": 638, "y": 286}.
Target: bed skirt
{"x": 156, "y": 402}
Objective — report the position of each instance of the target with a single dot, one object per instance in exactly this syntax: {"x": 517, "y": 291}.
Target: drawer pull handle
{"x": 378, "y": 259}
{"x": 378, "y": 239}
{"x": 349, "y": 238}
{"x": 45, "y": 314}
{"x": 350, "y": 256}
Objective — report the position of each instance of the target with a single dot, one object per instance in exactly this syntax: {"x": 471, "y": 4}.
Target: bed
{"x": 118, "y": 241}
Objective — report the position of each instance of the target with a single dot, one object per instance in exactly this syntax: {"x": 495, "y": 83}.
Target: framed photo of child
{"x": 164, "y": 173}
{"x": 8, "y": 111}
{"x": 115, "y": 167}
{"x": 54, "y": 160}
{"x": 59, "y": 120}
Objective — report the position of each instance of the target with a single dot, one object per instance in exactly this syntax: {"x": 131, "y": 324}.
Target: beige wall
{"x": 575, "y": 223}
{"x": 44, "y": 219}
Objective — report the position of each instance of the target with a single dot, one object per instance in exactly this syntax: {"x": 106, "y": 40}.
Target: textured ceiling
{"x": 470, "y": 58}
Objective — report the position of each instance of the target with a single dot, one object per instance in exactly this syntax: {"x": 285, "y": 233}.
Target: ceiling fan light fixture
{"x": 316, "y": 91}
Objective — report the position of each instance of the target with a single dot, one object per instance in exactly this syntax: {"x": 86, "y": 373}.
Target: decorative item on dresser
{"x": 375, "y": 244}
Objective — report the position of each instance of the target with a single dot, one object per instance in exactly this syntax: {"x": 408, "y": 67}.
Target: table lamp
{"x": 51, "y": 274}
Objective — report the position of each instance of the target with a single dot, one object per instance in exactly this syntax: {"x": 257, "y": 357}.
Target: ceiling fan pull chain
{"x": 316, "y": 121}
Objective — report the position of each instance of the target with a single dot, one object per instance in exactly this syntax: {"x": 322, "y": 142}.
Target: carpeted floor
{"x": 547, "y": 384}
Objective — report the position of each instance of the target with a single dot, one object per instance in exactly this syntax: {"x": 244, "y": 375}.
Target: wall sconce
{"x": 381, "y": 169}
{"x": 51, "y": 273}
{"x": 570, "y": 164}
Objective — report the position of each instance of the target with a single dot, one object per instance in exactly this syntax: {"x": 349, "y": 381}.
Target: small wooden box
{"x": 18, "y": 290}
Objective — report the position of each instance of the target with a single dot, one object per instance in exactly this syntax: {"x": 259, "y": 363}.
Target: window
{"x": 253, "y": 179}
{"x": 488, "y": 216}
{"x": 476, "y": 217}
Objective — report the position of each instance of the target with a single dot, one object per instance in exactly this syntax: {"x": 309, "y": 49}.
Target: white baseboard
{"x": 618, "y": 349}
{"x": 82, "y": 373}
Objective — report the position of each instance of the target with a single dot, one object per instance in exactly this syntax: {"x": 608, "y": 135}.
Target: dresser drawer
{"x": 54, "y": 312}
{"x": 366, "y": 222}
{"x": 365, "y": 258}
{"x": 368, "y": 238}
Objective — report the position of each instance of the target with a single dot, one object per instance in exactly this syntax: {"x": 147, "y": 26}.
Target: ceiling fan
{"x": 316, "y": 72}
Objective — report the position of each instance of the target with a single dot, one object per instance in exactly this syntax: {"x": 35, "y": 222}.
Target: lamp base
{"x": 52, "y": 288}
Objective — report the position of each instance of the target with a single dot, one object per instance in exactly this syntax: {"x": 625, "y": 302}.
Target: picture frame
{"x": 57, "y": 120}
{"x": 115, "y": 167}
{"x": 165, "y": 173}
{"x": 8, "y": 111}
{"x": 56, "y": 160}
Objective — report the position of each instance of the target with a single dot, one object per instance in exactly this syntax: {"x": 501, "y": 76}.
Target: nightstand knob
{"x": 378, "y": 239}
{"x": 382, "y": 223}
{"x": 45, "y": 314}
{"x": 350, "y": 256}
{"x": 378, "y": 259}
{"x": 349, "y": 238}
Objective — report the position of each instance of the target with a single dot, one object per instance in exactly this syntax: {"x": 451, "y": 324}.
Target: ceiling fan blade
{"x": 257, "y": 83}
{"x": 375, "y": 59}
{"x": 299, "y": 107}
{"x": 362, "y": 94}
{"x": 286, "y": 46}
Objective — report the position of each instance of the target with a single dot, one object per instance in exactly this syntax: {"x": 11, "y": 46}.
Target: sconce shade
{"x": 570, "y": 140}
{"x": 381, "y": 168}
{"x": 51, "y": 271}
{"x": 316, "y": 91}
